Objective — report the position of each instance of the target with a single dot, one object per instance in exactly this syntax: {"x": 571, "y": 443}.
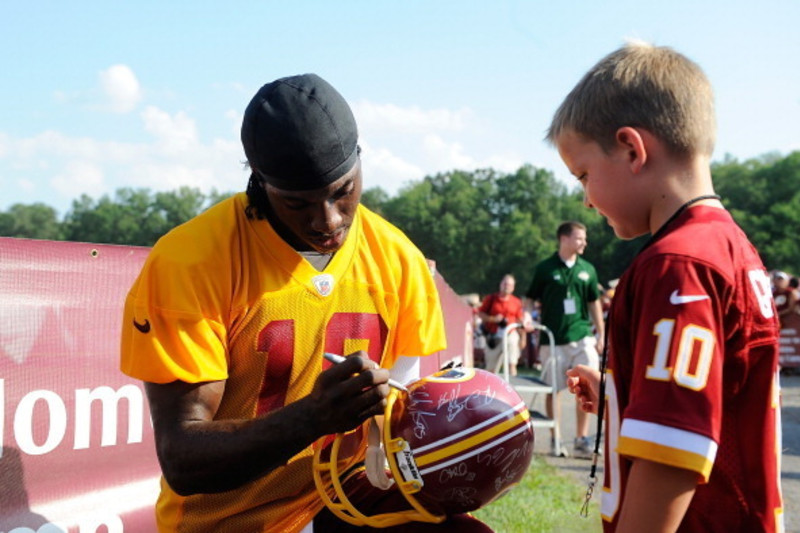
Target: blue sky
{"x": 98, "y": 95}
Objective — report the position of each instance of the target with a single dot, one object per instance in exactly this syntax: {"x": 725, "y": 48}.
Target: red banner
{"x": 77, "y": 445}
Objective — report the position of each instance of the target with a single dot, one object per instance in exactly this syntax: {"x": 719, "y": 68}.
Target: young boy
{"x": 691, "y": 385}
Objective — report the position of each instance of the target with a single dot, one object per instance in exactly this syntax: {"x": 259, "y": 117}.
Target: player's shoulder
{"x": 380, "y": 232}
{"x": 204, "y": 238}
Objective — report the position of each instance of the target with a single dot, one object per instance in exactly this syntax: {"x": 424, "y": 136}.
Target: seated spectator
{"x": 497, "y": 311}
{"x": 785, "y": 297}
{"x": 794, "y": 285}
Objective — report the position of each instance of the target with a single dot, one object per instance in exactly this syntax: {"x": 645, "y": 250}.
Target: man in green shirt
{"x": 566, "y": 286}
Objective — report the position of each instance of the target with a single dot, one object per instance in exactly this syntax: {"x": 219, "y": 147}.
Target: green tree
{"x": 215, "y": 197}
{"x": 176, "y": 207}
{"x": 763, "y": 196}
{"x": 133, "y": 216}
{"x": 481, "y": 225}
{"x": 374, "y": 198}
{"x": 33, "y": 221}
{"x": 477, "y": 225}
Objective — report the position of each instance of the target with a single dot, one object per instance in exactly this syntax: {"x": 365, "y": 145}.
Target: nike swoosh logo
{"x": 676, "y": 299}
{"x": 144, "y": 328}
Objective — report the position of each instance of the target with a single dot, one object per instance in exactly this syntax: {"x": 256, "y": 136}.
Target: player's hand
{"x": 347, "y": 394}
{"x": 584, "y": 382}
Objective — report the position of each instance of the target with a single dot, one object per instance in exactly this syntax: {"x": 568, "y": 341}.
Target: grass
{"x": 545, "y": 501}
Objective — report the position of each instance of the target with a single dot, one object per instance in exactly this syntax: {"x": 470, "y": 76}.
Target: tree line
{"x": 477, "y": 225}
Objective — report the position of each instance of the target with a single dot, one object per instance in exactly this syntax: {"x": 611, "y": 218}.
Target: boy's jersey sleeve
{"x": 673, "y": 415}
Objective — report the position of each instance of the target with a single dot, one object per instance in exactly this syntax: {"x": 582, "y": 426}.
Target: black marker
{"x": 336, "y": 359}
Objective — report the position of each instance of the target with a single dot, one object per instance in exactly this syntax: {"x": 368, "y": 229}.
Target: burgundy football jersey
{"x": 693, "y": 374}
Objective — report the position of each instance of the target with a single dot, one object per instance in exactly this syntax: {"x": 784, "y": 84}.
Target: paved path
{"x": 790, "y": 467}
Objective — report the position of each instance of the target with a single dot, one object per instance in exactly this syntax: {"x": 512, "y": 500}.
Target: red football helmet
{"x": 456, "y": 441}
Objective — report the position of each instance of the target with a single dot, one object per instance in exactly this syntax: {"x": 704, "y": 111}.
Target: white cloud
{"x": 384, "y": 169}
{"x": 173, "y": 133}
{"x": 79, "y": 177}
{"x": 409, "y": 119}
{"x": 26, "y": 185}
{"x": 69, "y": 166}
{"x": 446, "y": 155}
{"x": 403, "y": 144}
{"x": 120, "y": 88}
{"x": 235, "y": 118}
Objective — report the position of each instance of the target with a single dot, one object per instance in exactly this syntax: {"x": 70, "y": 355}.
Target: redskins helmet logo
{"x": 459, "y": 439}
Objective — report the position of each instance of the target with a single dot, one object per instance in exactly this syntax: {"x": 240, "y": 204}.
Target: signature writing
{"x": 506, "y": 478}
{"x": 457, "y": 471}
{"x": 499, "y": 457}
{"x": 455, "y": 403}
{"x": 420, "y": 422}
{"x": 462, "y": 495}
{"x": 419, "y": 416}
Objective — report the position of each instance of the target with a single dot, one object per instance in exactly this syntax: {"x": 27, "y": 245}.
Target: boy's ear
{"x": 631, "y": 140}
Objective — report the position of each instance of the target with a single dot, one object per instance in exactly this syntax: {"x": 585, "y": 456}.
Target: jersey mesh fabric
{"x": 225, "y": 298}
{"x": 693, "y": 373}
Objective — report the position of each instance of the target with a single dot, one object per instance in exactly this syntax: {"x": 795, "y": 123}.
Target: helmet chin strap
{"x": 375, "y": 461}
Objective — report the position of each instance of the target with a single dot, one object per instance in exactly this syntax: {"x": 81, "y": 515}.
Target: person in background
{"x": 566, "y": 286}
{"x": 497, "y": 311}
{"x": 794, "y": 285}
{"x": 785, "y": 296}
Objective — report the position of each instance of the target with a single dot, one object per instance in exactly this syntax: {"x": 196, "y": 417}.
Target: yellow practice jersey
{"x": 223, "y": 297}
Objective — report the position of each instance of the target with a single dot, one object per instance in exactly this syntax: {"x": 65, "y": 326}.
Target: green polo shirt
{"x": 555, "y": 285}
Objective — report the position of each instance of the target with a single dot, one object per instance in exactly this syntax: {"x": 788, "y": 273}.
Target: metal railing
{"x": 537, "y": 386}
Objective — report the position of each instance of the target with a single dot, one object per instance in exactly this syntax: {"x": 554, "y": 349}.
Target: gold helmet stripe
{"x": 520, "y": 407}
{"x": 520, "y": 419}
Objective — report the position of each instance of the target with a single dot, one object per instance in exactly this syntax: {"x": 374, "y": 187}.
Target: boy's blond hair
{"x": 645, "y": 86}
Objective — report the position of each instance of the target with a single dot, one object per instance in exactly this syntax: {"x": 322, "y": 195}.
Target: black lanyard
{"x": 569, "y": 274}
{"x": 601, "y": 397}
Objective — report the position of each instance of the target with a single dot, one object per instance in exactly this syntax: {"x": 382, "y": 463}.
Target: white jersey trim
{"x": 670, "y": 437}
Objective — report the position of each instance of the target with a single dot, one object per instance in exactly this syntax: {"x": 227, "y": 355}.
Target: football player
{"x": 229, "y": 319}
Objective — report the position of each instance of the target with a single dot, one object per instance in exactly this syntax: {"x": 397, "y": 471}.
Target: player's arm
{"x": 656, "y": 497}
{"x": 201, "y": 455}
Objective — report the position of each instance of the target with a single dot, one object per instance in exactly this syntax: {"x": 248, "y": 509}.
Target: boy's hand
{"x": 584, "y": 383}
